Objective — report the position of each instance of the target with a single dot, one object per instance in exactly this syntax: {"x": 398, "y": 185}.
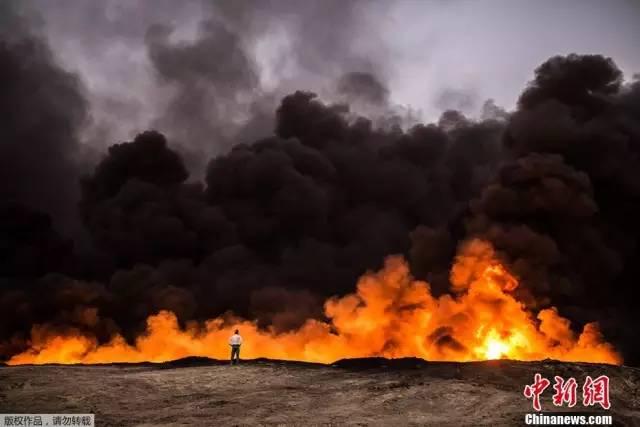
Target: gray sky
{"x": 432, "y": 55}
{"x": 489, "y": 48}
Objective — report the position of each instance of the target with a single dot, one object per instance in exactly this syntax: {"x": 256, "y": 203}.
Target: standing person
{"x": 235, "y": 341}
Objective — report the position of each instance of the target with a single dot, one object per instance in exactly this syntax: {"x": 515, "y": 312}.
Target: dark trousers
{"x": 235, "y": 354}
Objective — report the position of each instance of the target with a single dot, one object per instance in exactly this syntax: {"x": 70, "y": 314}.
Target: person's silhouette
{"x": 235, "y": 341}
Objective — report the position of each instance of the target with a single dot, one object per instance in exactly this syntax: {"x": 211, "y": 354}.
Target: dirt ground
{"x": 361, "y": 392}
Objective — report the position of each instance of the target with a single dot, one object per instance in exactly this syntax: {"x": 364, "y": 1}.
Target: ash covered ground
{"x": 198, "y": 391}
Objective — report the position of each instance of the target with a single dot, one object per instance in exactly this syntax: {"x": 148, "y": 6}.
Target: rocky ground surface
{"x": 203, "y": 392}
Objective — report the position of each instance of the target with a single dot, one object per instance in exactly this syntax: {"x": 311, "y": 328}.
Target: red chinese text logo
{"x": 594, "y": 391}
{"x": 565, "y": 392}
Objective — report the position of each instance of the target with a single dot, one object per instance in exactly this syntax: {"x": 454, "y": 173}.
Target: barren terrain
{"x": 362, "y": 392}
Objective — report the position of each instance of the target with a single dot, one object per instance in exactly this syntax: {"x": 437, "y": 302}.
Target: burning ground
{"x": 320, "y": 231}
{"x": 391, "y": 315}
{"x": 264, "y": 392}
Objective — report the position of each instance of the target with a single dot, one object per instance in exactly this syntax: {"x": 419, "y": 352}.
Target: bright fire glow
{"x": 390, "y": 315}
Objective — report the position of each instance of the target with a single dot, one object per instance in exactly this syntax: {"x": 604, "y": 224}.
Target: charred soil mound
{"x": 371, "y": 391}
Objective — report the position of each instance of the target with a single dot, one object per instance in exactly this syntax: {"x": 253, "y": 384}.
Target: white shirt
{"x": 235, "y": 339}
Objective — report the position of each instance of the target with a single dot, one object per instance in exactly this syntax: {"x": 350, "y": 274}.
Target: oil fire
{"x": 390, "y": 315}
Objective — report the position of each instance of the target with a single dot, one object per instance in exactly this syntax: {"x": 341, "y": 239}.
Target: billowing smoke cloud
{"x": 297, "y": 201}
{"x": 282, "y": 223}
{"x": 211, "y": 76}
{"x": 224, "y": 89}
{"x": 207, "y": 74}
{"x": 41, "y": 109}
{"x": 363, "y": 87}
{"x": 295, "y": 217}
{"x": 563, "y": 212}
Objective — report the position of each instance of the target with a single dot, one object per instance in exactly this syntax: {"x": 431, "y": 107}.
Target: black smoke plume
{"x": 41, "y": 109}
{"x": 564, "y": 211}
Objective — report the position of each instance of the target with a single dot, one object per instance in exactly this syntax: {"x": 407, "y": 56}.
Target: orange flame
{"x": 390, "y": 315}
